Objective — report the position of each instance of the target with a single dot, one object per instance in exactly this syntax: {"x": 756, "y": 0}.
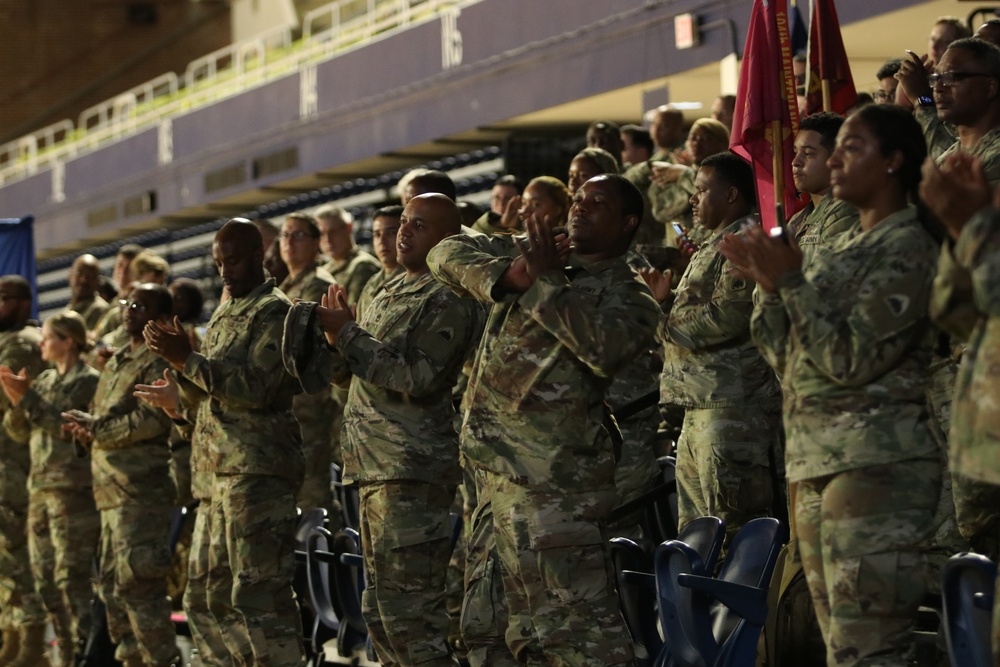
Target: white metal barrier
{"x": 327, "y": 31}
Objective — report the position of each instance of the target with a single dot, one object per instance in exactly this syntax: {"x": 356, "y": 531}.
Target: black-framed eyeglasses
{"x": 884, "y": 95}
{"x": 949, "y": 79}
{"x": 132, "y": 305}
{"x": 295, "y": 236}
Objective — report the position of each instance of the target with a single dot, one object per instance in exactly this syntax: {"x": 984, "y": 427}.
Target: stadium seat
{"x": 968, "y": 585}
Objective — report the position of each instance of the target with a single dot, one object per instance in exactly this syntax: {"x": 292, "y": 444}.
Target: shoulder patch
{"x": 898, "y": 303}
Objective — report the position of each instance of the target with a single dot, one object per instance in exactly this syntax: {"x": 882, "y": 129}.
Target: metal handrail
{"x": 220, "y": 74}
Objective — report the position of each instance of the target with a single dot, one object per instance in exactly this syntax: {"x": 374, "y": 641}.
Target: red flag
{"x": 767, "y": 116}
{"x": 828, "y": 65}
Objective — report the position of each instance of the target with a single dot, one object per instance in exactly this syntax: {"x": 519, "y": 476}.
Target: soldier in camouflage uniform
{"x": 84, "y": 278}
{"x": 712, "y": 368}
{"x": 405, "y": 354}
{"x": 864, "y": 462}
{"x": 534, "y": 430}
{"x": 134, "y": 491}
{"x": 316, "y": 413}
{"x": 63, "y": 523}
{"x": 667, "y": 132}
{"x": 965, "y": 302}
{"x": 814, "y": 228}
{"x": 350, "y": 266}
{"x": 385, "y": 226}
{"x": 254, "y": 446}
{"x": 20, "y": 606}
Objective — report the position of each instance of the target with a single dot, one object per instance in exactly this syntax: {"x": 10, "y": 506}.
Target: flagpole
{"x": 825, "y": 83}
{"x": 778, "y": 170}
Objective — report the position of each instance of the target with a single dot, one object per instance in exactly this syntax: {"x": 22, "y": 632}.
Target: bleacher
{"x": 189, "y": 250}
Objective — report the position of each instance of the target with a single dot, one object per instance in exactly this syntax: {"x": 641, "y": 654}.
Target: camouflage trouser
{"x": 406, "y": 541}
{"x": 556, "y": 567}
{"x": 316, "y": 414}
{"x": 63, "y": 529}
{"x": 253, "y": 531}
{"x": 465, "y": 503}
{"x": 976, "y": 511}
{"x": 20, "y": 605}
{"x": 205, "y": 631}
{"x": 637, "y": 470}
{"x": 723, "y": 464}
{"x": 861, "y": 535}
{"x": 135, "y": 563}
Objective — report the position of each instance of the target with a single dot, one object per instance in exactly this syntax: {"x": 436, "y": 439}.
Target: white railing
{"x": 330, "y": 30}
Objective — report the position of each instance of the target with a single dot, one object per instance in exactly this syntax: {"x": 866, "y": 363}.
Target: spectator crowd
{"x": 840, "y": 372}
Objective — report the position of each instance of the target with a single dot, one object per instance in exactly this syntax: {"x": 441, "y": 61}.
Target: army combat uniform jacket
{"x": 814, "y": 230}
{"x": 709, "y": 360}
{"x": 536, "y": 403}
{"x": 55, "y": 462}
{"x": 405, "y": 353}
{"x": 966, "y": 302}
{"x": 858, "y": 351}
{"x": 19, "y": 349}
{"x": 354, "y": 272}
{"x": 131, "y": 458}
{"x": 245, "y": 416}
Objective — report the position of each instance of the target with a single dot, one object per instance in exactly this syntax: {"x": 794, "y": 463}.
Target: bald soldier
{"x": 84, "y": 279}
{"x": 400, "y": 444}
{"x": 254, "y": 445}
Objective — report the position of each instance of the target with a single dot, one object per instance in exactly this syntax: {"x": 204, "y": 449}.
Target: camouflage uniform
{"x": 353, "y": 272}
{"x": 135, "y": 495}
{"x": 815, "y": 228}
{"x": 484, "y": 224}
{"x": 651, "y": 232}
{"x": 205, "y": 630}
{"x": 965, "y": 302}
{"x": 671, "y": 202}
{"x": 534, "y": 433}
{"x": 986, "y": 149}
{"x": 316, "y": 413}
{"x": 20, "y": 605}
{"x": 865, "y": 465}
{"x": 400, "y": 445}
{"x": 110, "y": 320}
{"x": 732, "y": 404}
{"x": 374, "y": 286}
{"x": 63, "y": 523}
{"x": 91, "y": 310}
{"x": 254, "y": 447}
{"x": 938, "y": 135}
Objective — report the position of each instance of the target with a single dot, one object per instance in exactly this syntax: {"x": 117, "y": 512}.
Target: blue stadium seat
{"x": 967, "y": 588}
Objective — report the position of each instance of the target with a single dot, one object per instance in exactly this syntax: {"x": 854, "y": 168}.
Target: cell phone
{"x": 779, "y": 232}
{"x": 678, "y": 229}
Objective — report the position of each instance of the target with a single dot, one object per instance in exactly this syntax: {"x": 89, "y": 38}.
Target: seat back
{"x": 349, "y": 582}
{"x": 683, "y": 636}
{"x": 738, "y": 614}
{"x": 637, "y": 596}
{"x": 705, "y": 535}
{"x": 967, "y": 589}
{"x": 321, "y": 598}
{"x": 661, "y": 518}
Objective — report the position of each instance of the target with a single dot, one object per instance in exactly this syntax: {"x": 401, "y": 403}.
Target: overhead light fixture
{"x": 686, "y": 106}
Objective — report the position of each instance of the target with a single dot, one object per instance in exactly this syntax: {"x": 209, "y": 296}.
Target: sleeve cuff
{"x": 348, "y": 333}
{"x": 787, "y": 280}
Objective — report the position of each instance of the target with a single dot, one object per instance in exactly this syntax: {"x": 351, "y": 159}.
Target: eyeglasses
{"x": 132, "y": 305}
{"x": 884, "y": 96}
{"x": 295, "y": 236}
{"x": 949, "y": 79}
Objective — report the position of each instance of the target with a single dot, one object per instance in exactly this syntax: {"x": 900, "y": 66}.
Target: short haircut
{"x": 826, "y": 124}
{"x": 603, "y": 126}
{"x": 130, "y": 250}
{"x": 510, "y": 181}
{"x": 19, "y": 285}
{"x": 639, "y": 136}
{"x": 961, "y": 29}
{"x": 331, "y": 211}
{"x": 306, "y": 219}
{"x": 164, "y": 302}
{"x": 734, "y": 172}
{"x": 630, "y": 196}
{"x": 982, "y": 51}
{"x": 394, "y": 211}
{"x": 195, "y": 299}
{"x": 888, "y": 69}
{"x": 148, "y": 261}
{"x": 606, "y": 162}
{"x": 713, "y": 127}
{"x": 433, "y": 181}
